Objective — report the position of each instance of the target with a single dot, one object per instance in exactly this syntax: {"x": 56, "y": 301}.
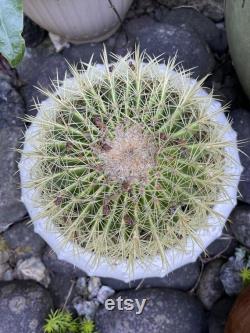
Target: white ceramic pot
{"x": 78, "y": 21}
{"x": 175, "y": 258}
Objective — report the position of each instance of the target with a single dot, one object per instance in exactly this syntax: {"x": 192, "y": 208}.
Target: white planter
{"x": 77, "y": 21}
{"x": 175, "y": 258}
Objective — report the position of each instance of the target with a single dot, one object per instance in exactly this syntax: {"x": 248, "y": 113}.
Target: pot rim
{"x": 175, "y": 257}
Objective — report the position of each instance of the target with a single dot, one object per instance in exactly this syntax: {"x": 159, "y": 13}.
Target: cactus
{"x": 129, "y": 162}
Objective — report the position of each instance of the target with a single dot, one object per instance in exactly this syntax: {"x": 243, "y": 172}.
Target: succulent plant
{"x": 129, "y": 162}
{"x": 61, "y": 321}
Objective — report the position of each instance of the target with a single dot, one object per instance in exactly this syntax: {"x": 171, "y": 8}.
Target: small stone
{"x": 210, "y": 288}
{"x": 85, "y": 308}
{"x": 32, "y": 269}
{"x": 81, "y": 286}
{"x": 104, "y": 293}
{"x": 240, "y": 225}
{"x": 230, "y": 276}
{"x": 24, "y": 306}
{"x": 94, "y": 285}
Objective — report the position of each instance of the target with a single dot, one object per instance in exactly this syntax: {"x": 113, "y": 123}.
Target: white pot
{"x": 175, "y": 258}
{"x": 77, "y": 21}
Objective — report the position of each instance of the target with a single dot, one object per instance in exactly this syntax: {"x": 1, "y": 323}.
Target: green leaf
{"x": 11, "y": 26}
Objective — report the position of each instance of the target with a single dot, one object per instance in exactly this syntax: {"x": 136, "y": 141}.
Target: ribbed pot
{"x": 238, "y": 33}
{"x": 78, "y": 21}
{"x": 175, "y": 257}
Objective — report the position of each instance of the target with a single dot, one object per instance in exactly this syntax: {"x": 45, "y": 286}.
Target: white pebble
{"x": 32, "y": 269}
{"x": 81, "y": 286}
{"x": 104, "y": 293}
{"x": 85, "y": 308}
{"x": 93, "y": 286}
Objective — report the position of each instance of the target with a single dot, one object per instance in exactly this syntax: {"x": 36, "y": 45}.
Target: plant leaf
{"x": 11, "y": 26}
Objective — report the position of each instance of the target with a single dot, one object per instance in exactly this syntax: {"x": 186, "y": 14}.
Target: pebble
{"x": 240, "y": 225}
{"x": 104, "y": 293}
{"x": 94, "y": 284}
{"x": 81, "y": 286}
{"x": 230, "y": 276}
{"x": 85, "y": 308}
{"x": 210, "y": 288}
{"x": 32, "y": 269}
